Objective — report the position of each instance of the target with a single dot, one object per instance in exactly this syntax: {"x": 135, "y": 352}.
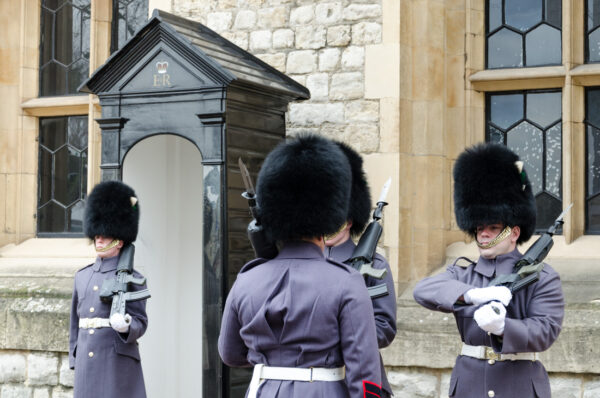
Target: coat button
{"x": 491, "y": 394}
{"x": 92, "y": 309}
{"x": 90, "y": 354}
{"x": 491, "y": 361}
{"x": 95, "y": 287}
{"x": 92, "y": 331}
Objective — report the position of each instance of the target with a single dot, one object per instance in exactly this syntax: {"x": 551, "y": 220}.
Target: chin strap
{"x": 501, "y": 236}
{"x": 112, "y": 244}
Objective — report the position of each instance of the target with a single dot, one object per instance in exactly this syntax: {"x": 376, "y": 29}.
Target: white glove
{"x": 490, "y": 318}
{"x": 120, "y": 323}
{"x": 483, "y": 295}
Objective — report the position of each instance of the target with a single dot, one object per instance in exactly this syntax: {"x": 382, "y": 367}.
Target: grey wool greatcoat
{"x": 106, "y": 363}
{"x": 384, "y": 308}
{"x": 533, "y": 321}
{"x": 301, "y": 310}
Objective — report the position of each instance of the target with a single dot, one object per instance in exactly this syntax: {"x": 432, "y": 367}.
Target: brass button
{"x": 492, "y": 361}
{"x": 491, "y": 394}
{"x": 95, "y": 287}
{"x": 92, "y": 331}
{"x": 90, "y": 354}
{"x": 92, "y": 309}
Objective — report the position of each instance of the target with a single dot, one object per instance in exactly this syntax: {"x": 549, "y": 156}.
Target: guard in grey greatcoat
{"x": 304, "y": 322}
{"x": 340, "y": 248}
{"x": 501, "y": 333}
{"x": 104, "y": 352}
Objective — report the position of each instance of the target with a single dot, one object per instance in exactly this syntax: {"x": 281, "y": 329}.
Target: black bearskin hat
{"x": 360, "y": 196}
{"x": 303, "y": 189}
{"x": 489, "y": 188}
{"x": 111, "y": 211}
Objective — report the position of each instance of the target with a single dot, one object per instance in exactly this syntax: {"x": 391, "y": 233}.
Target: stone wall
{"x": 320, "y": 44}
{"x": 34, "y": 374}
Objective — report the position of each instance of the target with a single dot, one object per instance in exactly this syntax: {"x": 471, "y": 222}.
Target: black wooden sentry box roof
{"x": 217, "y": 57}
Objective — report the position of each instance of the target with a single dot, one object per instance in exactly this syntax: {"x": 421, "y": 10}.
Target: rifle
{"x": 263, "y": 247}
{"x": 527, "y": 270}
{"x": 364, "y": 252}
{"x": 115, "y": 289}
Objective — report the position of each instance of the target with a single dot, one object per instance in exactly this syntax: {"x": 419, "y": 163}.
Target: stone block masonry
{"x": 35, "y": 374}
{"x": 320, "y": 44}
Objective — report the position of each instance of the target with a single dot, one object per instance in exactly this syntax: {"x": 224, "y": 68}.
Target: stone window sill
{"x": 518, "y": 78}
{"x": 58, "y": 106}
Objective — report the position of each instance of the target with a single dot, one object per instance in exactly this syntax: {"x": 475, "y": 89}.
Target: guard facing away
{"x": 303, "y": 321}
{"x": 502, "y": 332}
{"x": 103, "y": 346}
{"x": 340, "y": 247}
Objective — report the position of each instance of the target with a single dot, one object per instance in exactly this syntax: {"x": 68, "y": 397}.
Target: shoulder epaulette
{"x": 253, "y": 263}
{"x": 468, "y": 261}
{"x": 87, "y": 266}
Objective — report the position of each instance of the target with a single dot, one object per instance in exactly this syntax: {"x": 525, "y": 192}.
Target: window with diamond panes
{"x": 523, "y": 33}
{"x": 64, "y": 46}
{"x": 592, "y": 164}
{"x": 592, "y": 29}
{"x": 62, "y": 175}
{"x": 128, "y": 17}
{"x": 530, "y": 123}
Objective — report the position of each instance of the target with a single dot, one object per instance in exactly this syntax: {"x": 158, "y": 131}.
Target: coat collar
{"x": 300, "y": 249}
{"x": 105, "y": 265}
{"x": 503, "y": 264}
{"x": 341, "y": 252}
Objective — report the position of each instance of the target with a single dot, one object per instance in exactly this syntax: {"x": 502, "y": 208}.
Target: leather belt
{"x": 94, "y": 323}
{"x": 484, "y": 352}
{"x": 262, "y": 373}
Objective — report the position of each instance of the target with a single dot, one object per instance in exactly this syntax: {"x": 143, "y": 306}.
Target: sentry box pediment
{"x": 177, "y": 77}
{"x": 172, "y": 53}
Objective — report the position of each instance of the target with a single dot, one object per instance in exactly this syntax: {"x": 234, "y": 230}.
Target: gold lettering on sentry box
{"x": 162, "y": 78}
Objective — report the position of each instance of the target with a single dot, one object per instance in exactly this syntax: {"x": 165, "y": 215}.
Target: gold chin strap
{"x": 501, "y": 236}
{"x": 112, "y": 244}
{"x": 333, "y": 235}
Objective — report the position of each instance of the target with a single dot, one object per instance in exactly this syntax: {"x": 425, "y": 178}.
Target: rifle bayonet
{"x": 262, "y": 246}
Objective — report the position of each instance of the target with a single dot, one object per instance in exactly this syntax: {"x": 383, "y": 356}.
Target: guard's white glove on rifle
{"x": 120, "y": 323}
{"x": 490, "y": 318}
{"x": 483, "y": 295}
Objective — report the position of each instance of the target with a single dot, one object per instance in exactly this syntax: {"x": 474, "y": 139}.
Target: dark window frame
{"x": 588, "y": 197}
{"x": 586, "y": 32}
{"x": 115, "y": 43}
{"x": 82, "y": 182}
{"x": 523, "y": 34}
{"x": 488, "y": 124}
{"x": 52, "y": 44}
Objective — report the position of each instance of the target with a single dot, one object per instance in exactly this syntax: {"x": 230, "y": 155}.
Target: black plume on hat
{"x": 109, "y": 211}
{"x": 303, "y": 189}
{"x": 360, "y": 196}
{"x": 489, "y": 188}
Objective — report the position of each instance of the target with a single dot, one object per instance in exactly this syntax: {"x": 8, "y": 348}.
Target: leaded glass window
{"x": 592, "y": 165}
{"x": 64, "y": 46}
{"x": 62, "y": 177}
{"x": 530, "y": 123}
{"x": 592, "y": 29}
{"x": 128, "y": 17}
{"x": 523, "y": 33}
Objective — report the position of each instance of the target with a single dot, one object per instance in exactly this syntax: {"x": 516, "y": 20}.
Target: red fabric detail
{"x": 371, "y": 390}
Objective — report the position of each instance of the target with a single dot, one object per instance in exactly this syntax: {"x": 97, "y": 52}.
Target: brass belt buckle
{"x": 490, "y": 354}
